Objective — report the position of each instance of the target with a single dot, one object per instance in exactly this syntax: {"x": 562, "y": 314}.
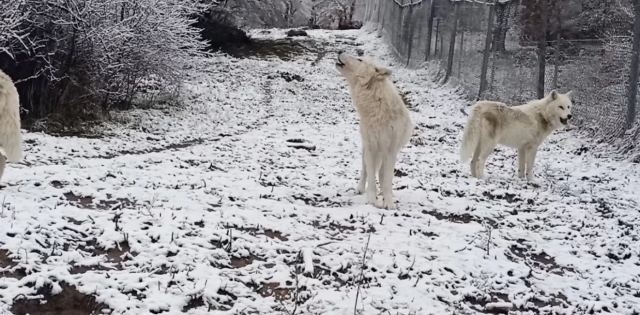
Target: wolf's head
{"x": 558, "y": 108}
{"x": 360, "y": 72}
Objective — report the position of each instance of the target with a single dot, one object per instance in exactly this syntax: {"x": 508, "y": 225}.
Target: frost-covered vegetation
{"x": 86, "y": 57}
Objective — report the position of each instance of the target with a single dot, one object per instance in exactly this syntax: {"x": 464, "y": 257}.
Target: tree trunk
{"x": 452, "y": 42}
{"x": 487, "y": 51}
{"x": 432, "y": 13}
{"x": 635, "y": 61}
{"x": 502, "y": 19}
{"x": 435, "y": 49}
{"x": 412, "y": 28}
{"x": 556, "y": 66}
{"x": 461, "y": 53}
{"x": 542, "y": 47}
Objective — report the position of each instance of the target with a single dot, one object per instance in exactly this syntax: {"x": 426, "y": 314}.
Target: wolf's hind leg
{"x": 362, "y": 182}
{"x": 485, "y": 150}
{"x": 531, "y": 159}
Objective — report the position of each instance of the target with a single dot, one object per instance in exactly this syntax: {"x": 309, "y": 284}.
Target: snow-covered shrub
{"x": 91, "y": 55}
{"x": 11, "y": 19}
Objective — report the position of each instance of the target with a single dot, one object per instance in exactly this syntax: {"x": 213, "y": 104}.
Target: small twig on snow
{"x": 364, "y": 261}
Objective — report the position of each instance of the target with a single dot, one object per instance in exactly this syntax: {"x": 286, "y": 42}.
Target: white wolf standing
{"x": 385, "y": 125}
{"x": 522, "y": 127}
{"x": 10, "y": 137}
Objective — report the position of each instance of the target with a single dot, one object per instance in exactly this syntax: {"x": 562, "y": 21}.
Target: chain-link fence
{"x": 489, "y": 48}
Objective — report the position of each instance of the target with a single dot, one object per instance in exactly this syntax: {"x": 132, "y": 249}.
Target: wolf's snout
{"x": 340, "y": 63}
{"x": 569, "y": 116}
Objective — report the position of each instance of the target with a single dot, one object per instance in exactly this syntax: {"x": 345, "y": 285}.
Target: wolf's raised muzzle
{"x": 339, "y": 63}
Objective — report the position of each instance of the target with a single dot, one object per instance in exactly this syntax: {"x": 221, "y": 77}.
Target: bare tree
{"x": 12, "y": 18}
{"x": 502, "y": 25}
{"x": 635, "y": 61}
{"x": 432, "y": 14}
{"x": 487, "y": 50}
{"x": 452, "y": 41}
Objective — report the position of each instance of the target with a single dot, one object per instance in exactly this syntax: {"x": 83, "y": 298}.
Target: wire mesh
{"x": 452, "y": 38}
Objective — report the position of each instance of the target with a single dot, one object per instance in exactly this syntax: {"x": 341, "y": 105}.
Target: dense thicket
{"x": 87, "y": 56}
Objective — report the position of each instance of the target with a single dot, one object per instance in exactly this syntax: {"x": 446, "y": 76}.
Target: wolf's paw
{"x": 384, "y": 204}
{"x": 360, "y": 189}
{"x": 371, "y": 198}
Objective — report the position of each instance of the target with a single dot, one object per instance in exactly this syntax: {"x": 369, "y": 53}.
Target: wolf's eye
{"x": 359, "y": 59}
{"x": 561, "y": 107}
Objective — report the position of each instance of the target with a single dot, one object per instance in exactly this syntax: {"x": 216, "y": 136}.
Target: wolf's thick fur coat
{"x": 385, "y": 125}
{"x": 10, "y": 136}
{"x": 523, "y": 127}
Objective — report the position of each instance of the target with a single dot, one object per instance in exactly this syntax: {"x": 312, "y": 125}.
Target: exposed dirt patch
{"x": 459, "y": 218}
{"x": 479, "y": 303}
{"x": 117, "y": 254}
{"x": 241, "y": 262}
{"x": 290, "y": 76}
{"x": 333, "y": 226}
{"x": 7, "y": 265}
{"x": 258, "y": 230}
{"x": 508, "y": 197}
{"x": 301, "y": 144}
{"x": 58, "y": 184}
{"x": 68, "y": 302}
{"x": 285, "y": 49}
{"x": 193, "y": 303}
{"x": 114, "y": 204}
{"x": 88, "y": 202}
{"x": 223, "y": 302}
{"x": 83, "y": 202}
{"x": 78, "y": 269}
{"x": 317, "y": 200}
{"x": 541, "y": 260}
{"x": 273, "y": 289}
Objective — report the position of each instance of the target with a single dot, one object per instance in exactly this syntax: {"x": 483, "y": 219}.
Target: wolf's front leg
{"x": 362, "y": 183}
{"x": 372, "y": 161}
{"x": 3, "y": 161}
{"x": 522, "y": 161}
{"x": 386, "y": 183}
{"x": 531, "y": 159}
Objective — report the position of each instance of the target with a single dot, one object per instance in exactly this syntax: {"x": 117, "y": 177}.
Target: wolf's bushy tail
{"x": 470, "y": 137}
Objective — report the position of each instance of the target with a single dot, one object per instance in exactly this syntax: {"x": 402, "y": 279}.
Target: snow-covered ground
{"x": 243, "y": 203}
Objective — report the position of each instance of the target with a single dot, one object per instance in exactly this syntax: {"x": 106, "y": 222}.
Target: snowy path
{"x": 229, "y": 206}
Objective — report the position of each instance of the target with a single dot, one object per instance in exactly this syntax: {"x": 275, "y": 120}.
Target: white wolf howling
{"x": 385, "y": 125}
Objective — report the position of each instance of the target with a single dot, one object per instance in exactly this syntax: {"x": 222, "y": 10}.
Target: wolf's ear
{"x": 553, "y": 95}
{"x": 569, "y": 94}
{"x": 382, "y": 72}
